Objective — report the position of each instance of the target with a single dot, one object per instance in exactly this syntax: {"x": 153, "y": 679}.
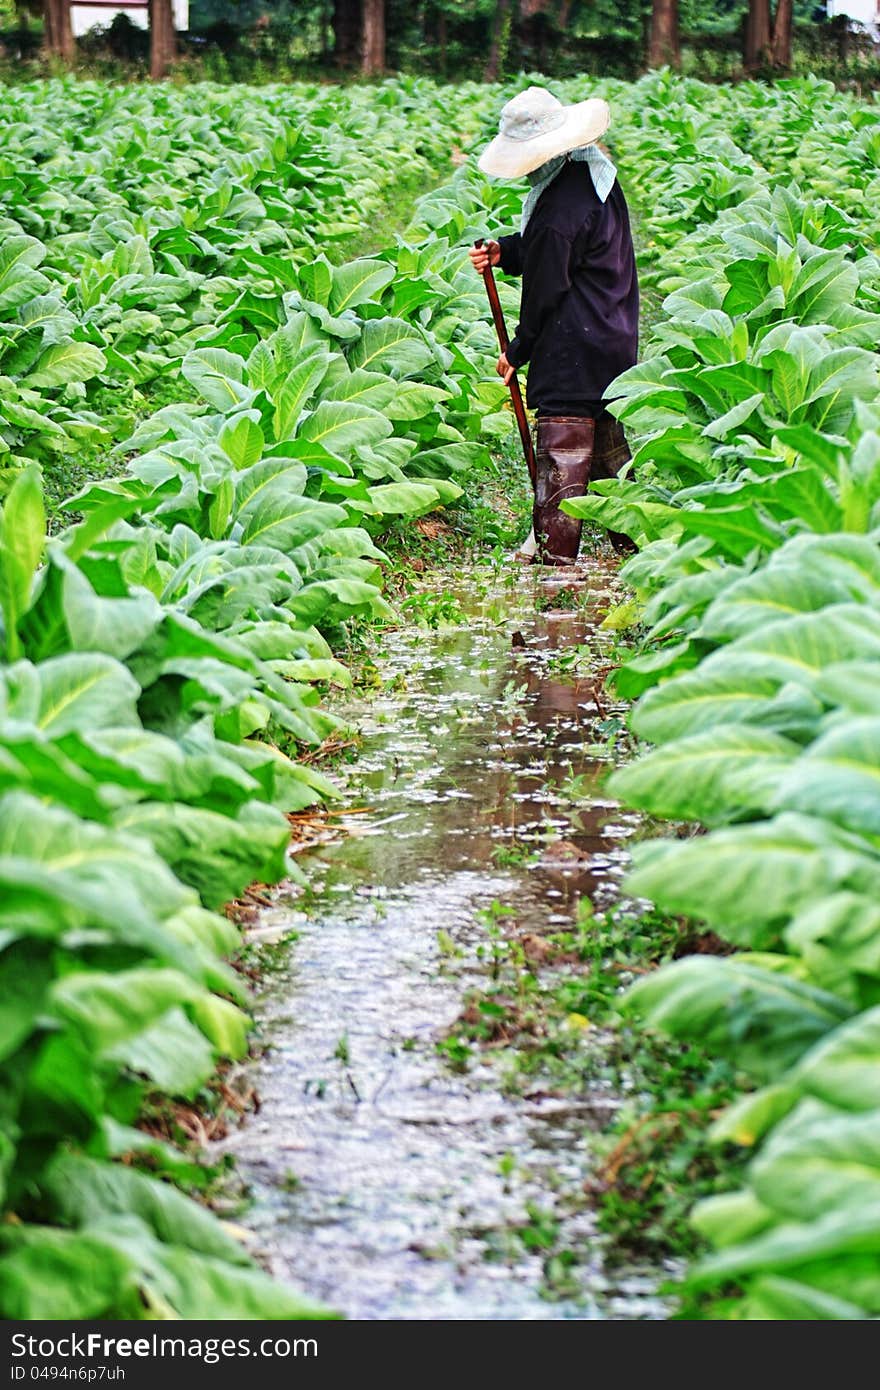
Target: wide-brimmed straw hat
{"x": 535, "y": 127}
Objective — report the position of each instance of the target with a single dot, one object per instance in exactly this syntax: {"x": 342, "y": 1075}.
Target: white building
{"x": 85, "y": 16}
{"x": 865, "y": 13}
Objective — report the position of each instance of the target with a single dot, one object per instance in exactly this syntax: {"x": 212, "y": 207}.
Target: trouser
{"x": 572, "y": 450}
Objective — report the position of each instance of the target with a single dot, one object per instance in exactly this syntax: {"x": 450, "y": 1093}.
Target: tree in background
{"x": 663, "y": 44}
{"x": 768, "y": 37}
{"x": 372, "y": 37}
{"x": 58, "y": 39}
{"x": 501, "y": 22}
{"x": 163, "y": 39}
{"x": 359, "y": 35}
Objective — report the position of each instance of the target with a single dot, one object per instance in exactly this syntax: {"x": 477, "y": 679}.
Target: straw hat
{"x": 535, "y": 127}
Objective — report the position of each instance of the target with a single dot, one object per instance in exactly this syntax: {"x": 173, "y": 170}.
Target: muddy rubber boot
{"x": 610, "y": 453}
{"x": 563, "y": 457}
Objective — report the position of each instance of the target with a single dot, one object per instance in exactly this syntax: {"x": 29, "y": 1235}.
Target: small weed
{"x": 560, "y": 597}
{"x": 550, "y": 1010}
{"x": 434, "y": 610}
{"x": 542, "y": 1231}
{"x": 516, "y": 855}
{"x": 456, "y": 1051}
{"x": 446, "y": 944}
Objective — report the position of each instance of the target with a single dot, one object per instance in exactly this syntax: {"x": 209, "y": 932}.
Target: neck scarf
{"x": 602, "y": 172}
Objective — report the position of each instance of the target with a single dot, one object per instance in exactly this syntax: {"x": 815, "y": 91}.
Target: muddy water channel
{"x": 382, "y": 1180}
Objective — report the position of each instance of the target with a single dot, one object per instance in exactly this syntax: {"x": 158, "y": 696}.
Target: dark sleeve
{"x": 511, "y": 261}
{"x": 546, "y": 281}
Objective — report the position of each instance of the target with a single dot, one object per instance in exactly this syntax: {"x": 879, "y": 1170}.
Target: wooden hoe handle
{"x": 519, "y": 409}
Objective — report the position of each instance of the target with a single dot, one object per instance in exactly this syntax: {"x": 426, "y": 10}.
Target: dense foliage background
{"x": 265, "y": 39}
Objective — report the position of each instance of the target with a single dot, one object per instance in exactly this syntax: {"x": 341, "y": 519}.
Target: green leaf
{"x": 406, "y": 499}
{"x": 843, "y": 1069}
{"x": 296, "y": 389}
{"x": 22, "y": 537}
{"x": 116, "y": 626}
{"x": 340, "y": 426}
{"x": 763, "y": 1019}
{"x": 67, "y": 362}
{"x": 80, "y": 690}
{"x": 289, "y": 522}
{"x": 241, "y": 439}
{"x": 24, "y": 980}
{"x": 48, "y": 1273}
{"x": 819, "y": 1159}
{"x": 703, "y": 699}
{"x": 216, "y": 854}
{"x": 86, "y": 1191}
{"x": 838, "y": 778}
{"x": 218, "y": 376}
{"x": 773, "y": 1299}
{"x": 750, "y": 603}
{"x": 356, "y": 282}
{"x": 389, "y": 344}
{"x": 107, "y": 1008}
{"x": 708, "y": 777}
{"x": 174, "y": 1054}
{"x": 747, "y": 881}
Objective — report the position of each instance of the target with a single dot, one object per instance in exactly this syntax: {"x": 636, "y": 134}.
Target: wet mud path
{"x": 381, "y": 1180}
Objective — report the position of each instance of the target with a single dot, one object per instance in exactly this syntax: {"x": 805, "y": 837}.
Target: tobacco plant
{"x": 755, "y": 499}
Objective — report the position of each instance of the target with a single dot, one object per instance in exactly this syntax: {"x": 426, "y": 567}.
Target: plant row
{"x": 755, "y": 501}
{"x": 164, "y": 658}
{"x": 135, "y": 219}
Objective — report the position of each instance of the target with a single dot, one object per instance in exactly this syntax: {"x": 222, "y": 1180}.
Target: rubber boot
{"x": 610, "y": 453}
{"x": 563, "y": 457}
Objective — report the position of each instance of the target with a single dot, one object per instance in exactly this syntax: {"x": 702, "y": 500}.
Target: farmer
{"x": 579, "y": 313}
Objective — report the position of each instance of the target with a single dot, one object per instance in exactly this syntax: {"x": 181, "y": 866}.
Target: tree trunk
{"x": 663, "y": 46}
{"x": 782, "y": 27}
{"x": 346, "y": 32}
{"x": 163, "y": 40}
{"x": 373, "y": 38}
{"x": 498, "y": 45}
{"x": 442, "y": 41}
{"x": 757, "y": 47}
{"x": 58, "y": 37}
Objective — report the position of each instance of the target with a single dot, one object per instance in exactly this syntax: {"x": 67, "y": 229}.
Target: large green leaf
{"x": 293, "y": 392}
{"x": 764, "y": 1019}
{"x": 22, "y": 536}
{"x": 838, "y": 777}
{"x": 765, "y": 596}
{"x": 80, "y": 690}
{"x": 340, "y": 426}
{"x": 219, "y": 376}
{"x": 48, "y": 1273}
{"x": 704, "y": 699}
{"x": 86, "y": 1190}
{"x": 711, "y": 777}
{"x": 357, "y": 282}
{"x": 817, "y": 1160}
{"x": 747, "y": 881}
{"x": 215, "y": 854}
{"x": 64, "y": 363}
{"x": 391, "y": 345}
{"x": 287, "y": 523}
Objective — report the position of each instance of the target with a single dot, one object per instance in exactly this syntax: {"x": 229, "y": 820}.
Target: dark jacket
{"x": 579, "y": 319}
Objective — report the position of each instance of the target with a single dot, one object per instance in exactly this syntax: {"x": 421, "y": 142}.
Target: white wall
{"x": 865, "y": 12}
{"x": 85, "y": 17}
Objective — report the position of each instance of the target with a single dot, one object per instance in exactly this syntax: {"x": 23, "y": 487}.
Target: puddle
{"x": 381, "y": 1181}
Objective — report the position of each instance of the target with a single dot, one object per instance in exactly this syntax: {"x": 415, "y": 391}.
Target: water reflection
{"x": 382, "y": 1182}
